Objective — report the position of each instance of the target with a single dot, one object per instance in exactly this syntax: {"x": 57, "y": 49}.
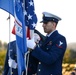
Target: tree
{"x": 70, "y": 56}
{"x": 66, "y": 56}
{"x": 0, "y": 44}
{"x": 5, "y": 45}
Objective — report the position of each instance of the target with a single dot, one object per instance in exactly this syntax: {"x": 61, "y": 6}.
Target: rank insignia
{"x": 60, "y": 44}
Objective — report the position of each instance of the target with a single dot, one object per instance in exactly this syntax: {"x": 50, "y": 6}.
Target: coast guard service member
{"x": 50, "y": 53}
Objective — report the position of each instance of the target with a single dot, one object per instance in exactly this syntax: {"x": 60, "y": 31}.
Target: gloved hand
{"x": 36, "y": 38}
{"x": 31, "y": 44}
{"x": 12, "y": 63}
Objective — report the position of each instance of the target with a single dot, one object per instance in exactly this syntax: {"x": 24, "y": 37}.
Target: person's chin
{"x": 45, "y": 31}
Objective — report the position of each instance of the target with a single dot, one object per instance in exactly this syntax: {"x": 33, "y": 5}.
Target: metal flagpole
{"x": 27, "y": 54}
{"x": 9, "y": 18}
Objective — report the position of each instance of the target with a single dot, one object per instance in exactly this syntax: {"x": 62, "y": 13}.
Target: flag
{"x": 20, "y": 36}
{"x": 30, "y": 18}
{"x": 7, "y": 5}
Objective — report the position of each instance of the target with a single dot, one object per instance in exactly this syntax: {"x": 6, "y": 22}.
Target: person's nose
{"x": 43, "y": 25}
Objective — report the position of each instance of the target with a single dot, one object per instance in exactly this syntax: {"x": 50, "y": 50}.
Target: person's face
{"x": 49, "y": 26}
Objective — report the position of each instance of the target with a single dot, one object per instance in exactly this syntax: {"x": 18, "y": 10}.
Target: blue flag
{"x": 20, "y": 37}
{"x": 7, "y": 5}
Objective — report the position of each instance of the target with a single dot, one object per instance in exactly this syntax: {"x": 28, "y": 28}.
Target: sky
{"x": 62, "y": 8}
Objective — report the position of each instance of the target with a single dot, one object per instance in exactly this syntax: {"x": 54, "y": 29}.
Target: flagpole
{"x": 27, "y": 54}
{"x": 9, "y": 18}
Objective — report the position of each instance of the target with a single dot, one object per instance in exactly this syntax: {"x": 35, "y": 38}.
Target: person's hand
{"x": 12, "y": 63}
{"x": 31, "y": 44}
{"x": 36, "y": 38}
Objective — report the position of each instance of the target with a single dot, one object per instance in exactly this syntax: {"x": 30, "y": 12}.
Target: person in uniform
{"x": 33, "y": 62}
{"x": 10, "y": 66}
{"x": 50, "y": 53}
{"x": 11, "y": 57}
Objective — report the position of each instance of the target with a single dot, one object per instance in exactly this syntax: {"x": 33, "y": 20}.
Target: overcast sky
{"x": 62, "y": 8}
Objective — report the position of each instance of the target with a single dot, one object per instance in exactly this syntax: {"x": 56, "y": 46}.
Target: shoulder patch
{"x": 59, "y": 45}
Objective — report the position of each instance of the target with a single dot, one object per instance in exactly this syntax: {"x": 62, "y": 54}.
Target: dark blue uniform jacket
{"x": 50, "y": 55}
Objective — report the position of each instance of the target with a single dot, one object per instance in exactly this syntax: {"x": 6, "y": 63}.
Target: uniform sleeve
{"x": 12, "y": 50}
{"x": 55, "y": 52}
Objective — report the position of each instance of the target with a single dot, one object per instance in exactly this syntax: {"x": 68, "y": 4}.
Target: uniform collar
{"x": 51, "y": 37}
{"x": 50, "y": 33}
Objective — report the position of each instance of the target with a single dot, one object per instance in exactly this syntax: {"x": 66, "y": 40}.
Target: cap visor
{"x": 43, "y": 21}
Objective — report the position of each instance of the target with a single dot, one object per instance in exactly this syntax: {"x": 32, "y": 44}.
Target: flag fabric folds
{"x": 7, "y": 5}
{"x": 30, "y": 18}
{"x": 20, "y": 36}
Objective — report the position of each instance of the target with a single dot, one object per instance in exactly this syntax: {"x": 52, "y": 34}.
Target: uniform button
{"x": 51, "y": 74}
{"x": 47, "y": 48}
{"x": 39, "y": 70}
{"x": 39, "y": 62}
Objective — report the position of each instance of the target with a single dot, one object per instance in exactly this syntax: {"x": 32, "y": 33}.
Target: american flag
{"x": 30, "y": 18}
